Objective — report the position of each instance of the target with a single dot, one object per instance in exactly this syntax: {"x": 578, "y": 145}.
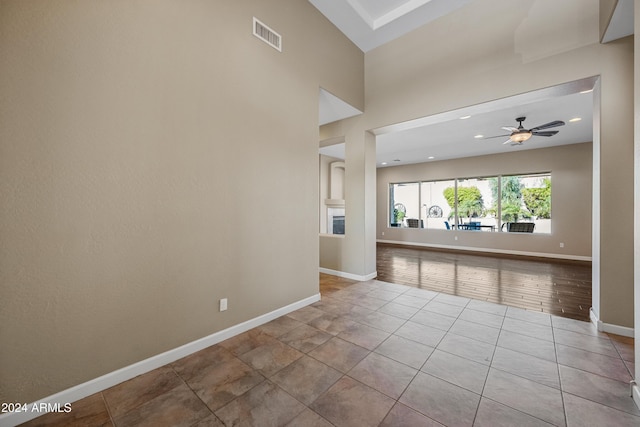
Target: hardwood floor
{"x": 557, "y": 287}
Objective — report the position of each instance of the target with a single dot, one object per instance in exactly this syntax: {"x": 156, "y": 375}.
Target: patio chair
{"x": 414, "y": 223}
{"x": 520, "y": 227}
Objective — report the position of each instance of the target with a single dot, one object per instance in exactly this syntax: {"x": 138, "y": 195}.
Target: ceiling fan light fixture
{"x": 520, "y": 134}
{"x": 520, "y": 137}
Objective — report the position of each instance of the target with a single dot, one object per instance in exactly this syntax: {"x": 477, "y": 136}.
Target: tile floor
{"x": 381, "y": 354}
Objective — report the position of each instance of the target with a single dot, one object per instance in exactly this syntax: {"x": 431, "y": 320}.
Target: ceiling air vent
{"x": 267, "y": 35}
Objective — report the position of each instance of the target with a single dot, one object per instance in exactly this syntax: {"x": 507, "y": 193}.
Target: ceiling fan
{"x": 520, "y": 134}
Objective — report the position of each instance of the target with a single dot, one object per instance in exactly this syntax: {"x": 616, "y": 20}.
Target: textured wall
{"x": 149, "y": 151}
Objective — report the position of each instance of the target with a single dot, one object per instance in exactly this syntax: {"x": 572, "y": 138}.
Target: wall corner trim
{"x": 360, "y": 278}
{"x": 607, "y": 327}
{"x": 99, "y": 384}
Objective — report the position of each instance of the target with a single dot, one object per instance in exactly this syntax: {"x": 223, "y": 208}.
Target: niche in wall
{"x": 332, "y": 206}
{"x": 335, "y": 203}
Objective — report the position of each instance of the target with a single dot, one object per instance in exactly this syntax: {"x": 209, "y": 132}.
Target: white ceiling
{"x": 371, "y": 23}
{"x": 333, "y": 108}
{"x": 450, "y": 138}
{"x": 621, "y": 24}
{"x": 446, "y": 136}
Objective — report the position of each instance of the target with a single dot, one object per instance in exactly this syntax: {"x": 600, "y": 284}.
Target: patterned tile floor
{"x": 381, "y": 354}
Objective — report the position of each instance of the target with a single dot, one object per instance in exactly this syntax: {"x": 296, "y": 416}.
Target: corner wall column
{"x": 359, "y": 256}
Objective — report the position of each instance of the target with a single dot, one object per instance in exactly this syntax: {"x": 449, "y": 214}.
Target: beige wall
{"x": 143, "y": 147}
{"x": 570, "y": 167}
{"x": 465, "y": 59}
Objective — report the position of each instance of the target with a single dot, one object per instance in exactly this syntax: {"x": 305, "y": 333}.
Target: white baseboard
{"x": 607, "y": 327}
{"x": 488, "y": 250}
{"x": 96, "y": 385}
{"x": 635, "y": 393}
{"x": 349, "y": 275}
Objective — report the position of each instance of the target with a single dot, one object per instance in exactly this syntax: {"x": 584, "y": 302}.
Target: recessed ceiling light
{"x": 383, "y": 163}
{"x": 586, "y": 91}
{"x": 431, "y": 157}
{"x": 478, "y": 136}
{"x": 465, "y": 117}
{"x": 575, "y": 119}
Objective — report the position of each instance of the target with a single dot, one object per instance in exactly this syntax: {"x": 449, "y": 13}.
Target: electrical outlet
{"x": 223, "y": 304}
{"x": 455, "y": 237}
{"x": 562, "y": 245}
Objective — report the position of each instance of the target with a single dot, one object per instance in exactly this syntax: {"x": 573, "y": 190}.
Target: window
{"x": 475, "y": 206}
{"x": 436, "y": 210}
{"x": 513, "y": 203}
{"x": 527, "y": 198}
{"x": 404, "y": 203}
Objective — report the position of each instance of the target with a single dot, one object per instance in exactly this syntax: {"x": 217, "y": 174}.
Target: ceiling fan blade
{"x": 553, "y": 124}
{"x": 544, "y": 133}
{"x": 497, "y": 136}
{"x": 509, "y": 128}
